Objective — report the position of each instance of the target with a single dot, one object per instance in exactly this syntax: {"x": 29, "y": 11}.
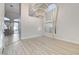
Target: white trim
{"x": 59, "y": 38}
{"x": 29, "y": 37}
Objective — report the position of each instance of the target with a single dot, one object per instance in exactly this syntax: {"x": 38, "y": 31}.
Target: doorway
{"x": 11, "y": 23}
{"x": 50, "y": 20}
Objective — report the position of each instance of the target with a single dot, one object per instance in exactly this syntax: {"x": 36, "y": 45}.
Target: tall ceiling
{"x": 12, "y": 10}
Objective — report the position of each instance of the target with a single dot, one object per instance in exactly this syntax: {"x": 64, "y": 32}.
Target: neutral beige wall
{"x": 1, "y": 24}
{"x": 30, "y": 26}
{"x": 68, "y": 22}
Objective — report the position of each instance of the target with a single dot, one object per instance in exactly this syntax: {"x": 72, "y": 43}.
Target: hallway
{"x": 12, "y": 23}
{"x": 9, "y": 39}
{"x": 41, "y": 46}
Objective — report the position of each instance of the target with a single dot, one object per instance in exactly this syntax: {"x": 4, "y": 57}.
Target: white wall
{"x": 30, "y": 26}
{"x": 68, "y": 22}
{"x": 1, "y": 23}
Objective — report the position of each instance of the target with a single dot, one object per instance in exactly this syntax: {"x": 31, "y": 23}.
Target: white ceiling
{"x": 12, "y": 10}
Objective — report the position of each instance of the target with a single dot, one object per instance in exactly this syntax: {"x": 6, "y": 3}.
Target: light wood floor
{"x": 41, "y": 46}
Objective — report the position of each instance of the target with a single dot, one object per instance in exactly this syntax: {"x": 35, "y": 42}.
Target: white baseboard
{"x": 29, "y": 37}
{"x": 59, "y": 38}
